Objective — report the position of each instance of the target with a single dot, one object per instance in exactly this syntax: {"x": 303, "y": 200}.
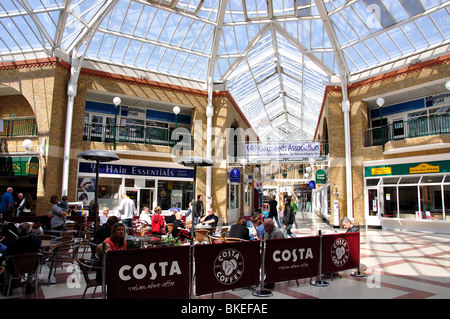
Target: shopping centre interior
{"x": 343, "y": 105}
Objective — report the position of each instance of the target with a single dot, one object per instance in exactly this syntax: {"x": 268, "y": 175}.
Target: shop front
{"x": 148, "y": 183}
{"x": 413, "y": 194}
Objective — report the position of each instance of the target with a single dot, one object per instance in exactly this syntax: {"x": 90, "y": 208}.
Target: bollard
{"x": 104, "y": 271}
{"x": 262, "y": 292}
{"x": 359, "y": 273}
{"x": 319, "y": 282}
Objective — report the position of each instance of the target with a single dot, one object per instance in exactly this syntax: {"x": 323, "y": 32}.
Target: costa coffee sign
{"x": 340, "y": 252}
{"x": 148, "y": 273}
{"x": 292, "y": 258}
{"x": 226, "y": 266}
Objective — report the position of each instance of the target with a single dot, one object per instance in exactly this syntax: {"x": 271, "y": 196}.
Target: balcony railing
{"x": 19, "y": 127}
{"x": 131, "y": 134}
{"x": 420, "y": 126}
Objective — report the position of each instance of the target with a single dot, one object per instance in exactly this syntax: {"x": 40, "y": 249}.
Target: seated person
{"x": 210, "y": 219}
{"x": 146, "y": 216}
{"x": 36, "y": 227}
{"x": 22, "y": 245}
{"x": 179, "y": 230}
{"x": 117, "y": 239}
{"x": 158, "y": 223}
{"x": 240, "y": 230}
{"x": 104, "y": 231}
{"x": 259, "y": 226}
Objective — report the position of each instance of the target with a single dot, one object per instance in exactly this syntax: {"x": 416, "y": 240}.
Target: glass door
{"x": 146, "y": 198}
{"x": 374, "y": 206}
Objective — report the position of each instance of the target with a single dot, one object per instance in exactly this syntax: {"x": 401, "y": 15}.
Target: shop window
{"x": 389, "y": 201}
{"x": 233, "y": 196}
{"x": 408, "y": 202}
{"x": 109, "y": 192}
{"x": 174, "y": 194}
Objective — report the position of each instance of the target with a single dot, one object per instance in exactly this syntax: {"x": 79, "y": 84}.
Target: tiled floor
{"x": 400, "y": 265}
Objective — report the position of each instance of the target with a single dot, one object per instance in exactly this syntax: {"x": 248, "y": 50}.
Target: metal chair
{"x": 87, "y": 266}
{"x": 25, "y": 267}
{"x": 64, "y": 253}
{"x": 232, "y": 240}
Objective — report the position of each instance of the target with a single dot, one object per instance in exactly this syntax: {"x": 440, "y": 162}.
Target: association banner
{"x": 220, "y": 267}
{"x": 292, "y": 258}
{"x": 157, "y": 273}
{"x": 340, "y": 252}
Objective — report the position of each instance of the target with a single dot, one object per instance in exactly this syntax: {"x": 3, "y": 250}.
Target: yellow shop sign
{"x": 381, "y": 170}
{"x": 424, "y": 168}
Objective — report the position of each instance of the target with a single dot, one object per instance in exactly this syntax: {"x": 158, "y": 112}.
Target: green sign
{"x": 321, "y": 177}
{"x": 19, "y": 166}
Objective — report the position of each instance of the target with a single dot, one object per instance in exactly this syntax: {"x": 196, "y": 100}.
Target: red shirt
{"x": 158, "y": 224}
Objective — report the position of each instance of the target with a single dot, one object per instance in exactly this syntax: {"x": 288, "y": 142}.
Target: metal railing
{"x": 131, "y": 134}
{"x": 417, "y": 127}
{"x": 19, "y": 127}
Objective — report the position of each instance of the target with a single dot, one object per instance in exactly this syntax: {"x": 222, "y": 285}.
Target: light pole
{"x": 176, "y": 110}
{"x": 116, "y": 102}
{"x": 380, "y": 103}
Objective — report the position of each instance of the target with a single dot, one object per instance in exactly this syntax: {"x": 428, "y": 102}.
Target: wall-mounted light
{"x": 27, "y": 144}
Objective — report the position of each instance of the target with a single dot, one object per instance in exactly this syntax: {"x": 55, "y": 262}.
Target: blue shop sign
{"x": 312, "y": 185}
{"x": 235, "y": 176}
{"x": 134, "y": 170}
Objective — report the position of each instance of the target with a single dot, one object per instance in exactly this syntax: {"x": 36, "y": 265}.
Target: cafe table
{"x": 143, "y": 241}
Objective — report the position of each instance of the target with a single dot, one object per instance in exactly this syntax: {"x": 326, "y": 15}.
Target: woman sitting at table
{"x": 240, "y": 230}
{"x": 117, "y": 239}
{"x": 179, "y": 230}
{"x": 158, "y": 223}
{"x": 210, "y": 219}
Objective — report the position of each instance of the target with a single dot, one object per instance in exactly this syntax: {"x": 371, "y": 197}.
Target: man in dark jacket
{"x": 197, "y": 209}
{"x": 288, "y": 217}
{"x": 273, "y": 210}
{"x": 347, "y": 224}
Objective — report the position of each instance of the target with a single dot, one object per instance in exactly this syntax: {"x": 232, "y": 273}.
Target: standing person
{"x": 26, "y": 205}
{"x": 273, "y": 212}
{"x": 158, "y": 224}
{"x": 117, "y": 239}
{"x": 58, "y": 215}
{"x": 7, "y": 203}
{"x": 288, "y": 217}
{"x": 126, "y": 208}
{"x": 197, "y": 210}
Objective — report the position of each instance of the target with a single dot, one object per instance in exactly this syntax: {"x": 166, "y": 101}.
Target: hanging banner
{"x": 340, "y": 252}
{"x": 275, "y": 151}
{"x": 220, "y": 267}
{"x": 156, "y": 273}
{"x": 292, "y": 258}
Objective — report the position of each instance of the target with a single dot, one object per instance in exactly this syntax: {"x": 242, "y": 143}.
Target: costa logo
{"x": 229, "y": 266}
{"x": 340, "y": 252}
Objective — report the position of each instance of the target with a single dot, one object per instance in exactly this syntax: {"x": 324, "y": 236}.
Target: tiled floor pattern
{"x": 400, "y": 265}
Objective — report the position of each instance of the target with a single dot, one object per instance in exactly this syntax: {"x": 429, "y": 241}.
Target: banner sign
{"x": 235, "y": 176}
{"x": 156, "y": 273}
{"x": 282, "y": 150}
{"x": 220, "y": 267}
{"x": 118, "y": 169}
{"x": 292, "y": 258}
{"x": 340, "y": 252}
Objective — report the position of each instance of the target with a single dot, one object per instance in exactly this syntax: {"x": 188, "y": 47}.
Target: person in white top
{"x": 126, "y": 209}
{"x": 146, "y": 216}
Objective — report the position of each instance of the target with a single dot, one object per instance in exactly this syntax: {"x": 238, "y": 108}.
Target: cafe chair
{"x": 25, "y": 267}
{"x": 169, "y": 228}
{"x": 215, "y": 240}
{"x": 201, "y": 235}
{"x": 45, "y": 237}
{"x": 64, "y": 253}
{"x": 87, "y": 268}
{"x": 232, "y": 240}
{"x": 224, "y": 231}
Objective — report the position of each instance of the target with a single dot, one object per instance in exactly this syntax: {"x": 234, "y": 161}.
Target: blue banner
{"x": 135, "y": 170}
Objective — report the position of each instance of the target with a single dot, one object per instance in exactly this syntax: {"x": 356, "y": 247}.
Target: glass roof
{"x": 275, "y": 57}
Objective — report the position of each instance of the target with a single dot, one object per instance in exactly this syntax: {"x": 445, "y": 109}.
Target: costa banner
{"x": 292, "y": 258}
{"x": 220, "y": 267}
{"x": 158, "y": 273}
{"x": 340, "y": 252}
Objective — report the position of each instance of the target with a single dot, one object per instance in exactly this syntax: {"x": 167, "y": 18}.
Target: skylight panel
{"x": 441, "y": 19}
{"x": 402, "y": 41}
{"x": 429, "y": 29}
{"x": 144, "y": 22}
